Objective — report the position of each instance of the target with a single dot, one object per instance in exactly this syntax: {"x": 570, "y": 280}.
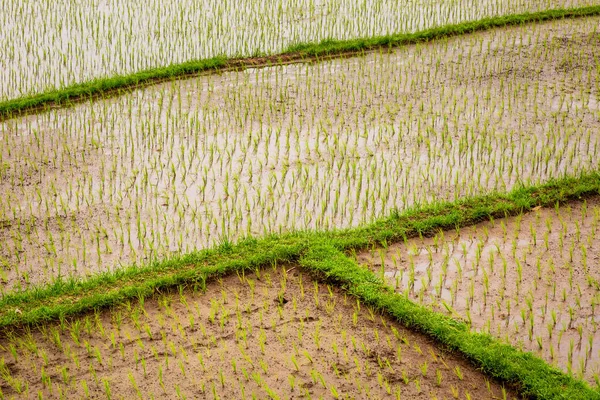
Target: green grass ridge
{"x": 300, "y": 52}
{"x": 324, "y": 252}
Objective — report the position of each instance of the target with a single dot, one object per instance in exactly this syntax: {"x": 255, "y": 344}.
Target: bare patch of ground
{"x": 533, "y": 280}
{"x": 272, "y": 334}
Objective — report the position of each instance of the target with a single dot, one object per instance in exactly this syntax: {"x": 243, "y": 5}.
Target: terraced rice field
{"x": 409, "y": 214}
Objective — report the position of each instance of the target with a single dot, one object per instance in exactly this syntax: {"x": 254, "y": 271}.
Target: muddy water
{"x": 533, "y": 280}
{"x": 53, "y": 44}
{"x": 243, "y": 337}
{"x": 188, "y": 164}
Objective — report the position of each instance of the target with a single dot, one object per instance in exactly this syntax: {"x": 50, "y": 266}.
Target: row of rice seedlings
{"x": 188, "y": 164}
{"x": 531, "y": 280}
{"x": 272, "y": 334}
{"x": 54, "y": 44}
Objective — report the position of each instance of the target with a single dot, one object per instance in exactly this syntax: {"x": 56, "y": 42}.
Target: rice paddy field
{"x": 398, "y": 217}
{"x": 50, "y": 45}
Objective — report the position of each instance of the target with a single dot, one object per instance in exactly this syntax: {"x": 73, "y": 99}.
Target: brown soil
{"x": 179, "y": 166}
{"x": 275, "y": 334}
{"x": 533, "y": 280}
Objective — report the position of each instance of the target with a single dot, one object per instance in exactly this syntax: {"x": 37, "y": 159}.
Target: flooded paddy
{"x": 52, "y": 44}
{"x": 192, "y": 163}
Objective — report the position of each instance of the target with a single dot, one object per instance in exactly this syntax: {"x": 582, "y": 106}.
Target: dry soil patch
{"x": 273, "y": 334}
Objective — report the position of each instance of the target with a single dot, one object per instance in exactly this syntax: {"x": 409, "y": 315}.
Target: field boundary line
{"x": 324, "y": 254}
